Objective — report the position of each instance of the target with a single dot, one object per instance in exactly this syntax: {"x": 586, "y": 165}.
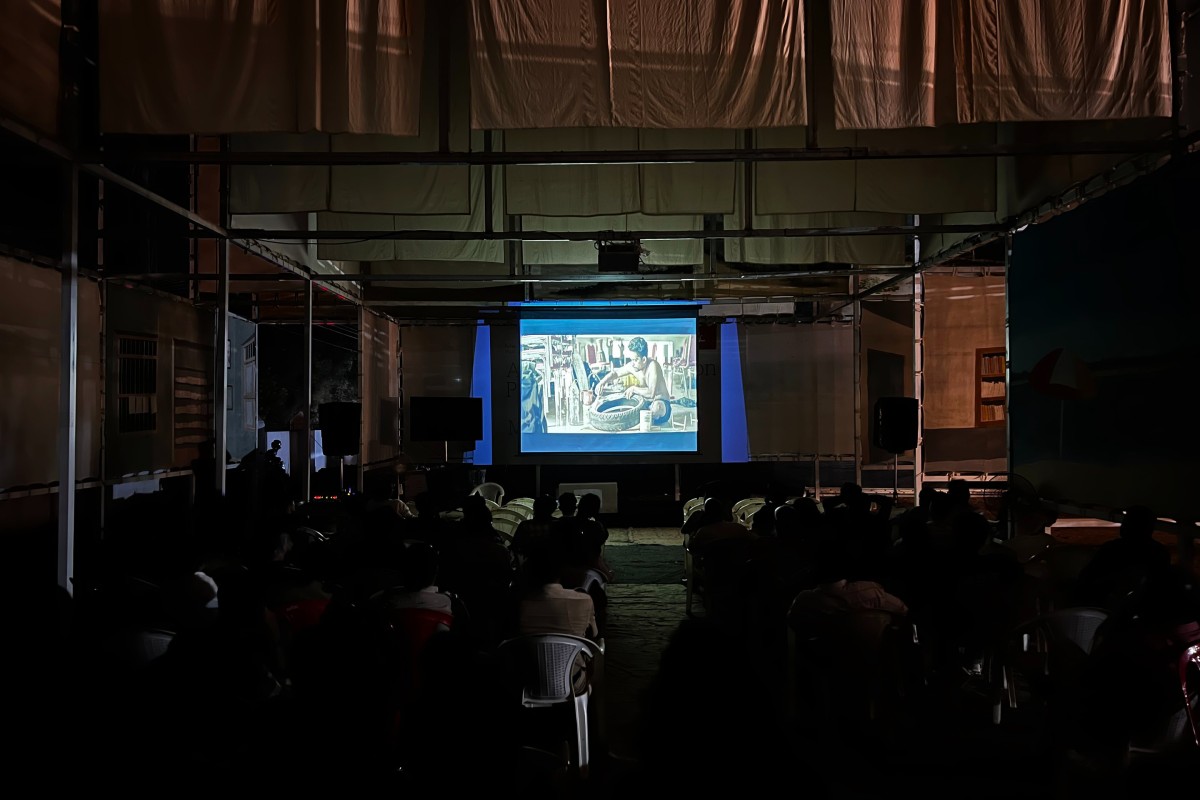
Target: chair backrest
{"x": 505, "y": 526}
{"x": 545, "y": 663}
{"x": 1075, "y": 625}
{"x": 526, "y": 502}
{"x": 692, "y": 505}
{"x": 746, "y": 509}
{"x": 518, "y": 515}
{"x": 492, "y": 505}
{"x": 741, "y": 505}
{"x": 490, "y": 491}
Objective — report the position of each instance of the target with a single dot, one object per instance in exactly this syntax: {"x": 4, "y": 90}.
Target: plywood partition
{"x": 29, "y": 349}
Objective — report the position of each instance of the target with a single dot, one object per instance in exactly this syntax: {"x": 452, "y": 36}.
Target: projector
{"x": 619, "y": 256}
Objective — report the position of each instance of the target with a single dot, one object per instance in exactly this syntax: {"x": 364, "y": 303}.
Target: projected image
{"x": 613, "y": 385}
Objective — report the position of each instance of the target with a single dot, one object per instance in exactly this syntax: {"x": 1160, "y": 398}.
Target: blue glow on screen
{"x": 481, "y": 386}
{"x": 735, "y": 444}
{"x": 552, "y": 417}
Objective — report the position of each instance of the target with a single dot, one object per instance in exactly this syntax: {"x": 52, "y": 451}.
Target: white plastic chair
{"x": 517, "y": 515}
{"x": 525, "y": 502}
{"x": 544, "y": 664}
{"x": 692, "y": 505}
{"x": 506, "y": 527}
{"x": 744, "y": 510}
{"x": 490, "y": 491}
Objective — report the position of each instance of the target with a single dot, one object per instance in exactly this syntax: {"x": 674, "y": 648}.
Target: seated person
{"x": 1122, "y": 565}
{"x": 418, "y": 586}
{"x": 546, "y": 606}
{"x": 835, "y": 592}
{"x": 641, "y": 376}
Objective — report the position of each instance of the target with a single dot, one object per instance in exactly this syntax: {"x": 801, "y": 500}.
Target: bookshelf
{"x": 991, "y": 392}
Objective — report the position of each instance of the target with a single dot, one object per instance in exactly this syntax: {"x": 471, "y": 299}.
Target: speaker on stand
{"x": 341, "y": 425}
{"x": 894, "y": 429}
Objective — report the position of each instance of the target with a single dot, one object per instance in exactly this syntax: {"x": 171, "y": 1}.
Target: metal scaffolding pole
{"x": 221, "y": 371}
{"x": 744, "y": 154}
{"x": 221, "y": 350}
{"x": 860, "y": 448}
{"x": 306, "y": 470}
{"x": 68, "y": 379}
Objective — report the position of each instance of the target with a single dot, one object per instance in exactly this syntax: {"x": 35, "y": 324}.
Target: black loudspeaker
{"x": 895, "y": 428}
{"x": 340, "y": 424}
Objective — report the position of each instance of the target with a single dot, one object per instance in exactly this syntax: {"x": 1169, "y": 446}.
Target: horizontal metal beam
{"x": 347, "y": 236}
{"x": 209, "y": 229}
{"x": 581, "y": 277}
{"x": 594, "y": 157}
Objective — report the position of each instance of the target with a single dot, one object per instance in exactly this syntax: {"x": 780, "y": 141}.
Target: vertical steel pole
{"x": 305, "y": 459}
{"x": 68, "y": 379}
{"x": 221, "y": 368}
{"x": 1008, "y": 244}
{"x": 860, "y": 449}
{"x": 221, "y": 349}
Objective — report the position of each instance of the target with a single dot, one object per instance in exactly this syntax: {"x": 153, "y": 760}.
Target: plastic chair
{"x": 490, "y": 491}
{"x": 1056, "y": 645}
{"x": 860, "y": 661}
{"x": 492, "y": 505}
{"x": 692, "y": 505}
{"x": 544, "y": 665}
{"x": 517, "y": 515}
{"x": 506, "y": 527}
{"x": 744, "y": 510}
{"x": 524, "y": 502}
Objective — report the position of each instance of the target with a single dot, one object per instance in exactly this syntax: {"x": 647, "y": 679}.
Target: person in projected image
{"x": 641, "y": 376}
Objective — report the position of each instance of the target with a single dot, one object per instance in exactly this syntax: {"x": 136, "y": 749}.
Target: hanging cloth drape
{"x": 919, "y": 63}
{"x": 637, "y": 63}
{"x": 260, "y": 66}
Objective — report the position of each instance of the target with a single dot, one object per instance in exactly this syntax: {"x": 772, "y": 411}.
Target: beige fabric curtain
{"x": 799, "y": 388}
{"x": 919, "y": 63}
{"x": 260, "y": 66}
{"x": 1067, "y": 60}
{"x": 883, "y": 62}
{"x": 898, "y": 186}
{"x": 403, "y": 189}
{"x": 29, "y": 38}
{"x": 637, "y": 63}
{"x": 608, "y": 189}
{"x": 433, "y": 250}
{"x": 380, "y": 386}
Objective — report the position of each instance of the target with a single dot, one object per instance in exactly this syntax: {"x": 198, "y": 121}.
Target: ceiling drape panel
{"x": 883, "y": 63}
{"x": 260, "y": 66}
{"x": 272, "y": 190}
{"x": 401, "y": 189}
{"x": 919, "y": 63}
{"x": 1023, "y": 60}
{"x": 29, "y": 36}
{"x": 351, "y": 248}
{"x": 608, "y": 189}
{"x": 637, "y": 63}
{"x": 427, "y": 250}
{"x": 579, "y": 191}
{"x": 687, "y": 188}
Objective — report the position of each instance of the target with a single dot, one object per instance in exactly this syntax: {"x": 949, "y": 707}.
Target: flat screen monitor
{"x": 608, "y": 385}
{"x": 445, "y": 419}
